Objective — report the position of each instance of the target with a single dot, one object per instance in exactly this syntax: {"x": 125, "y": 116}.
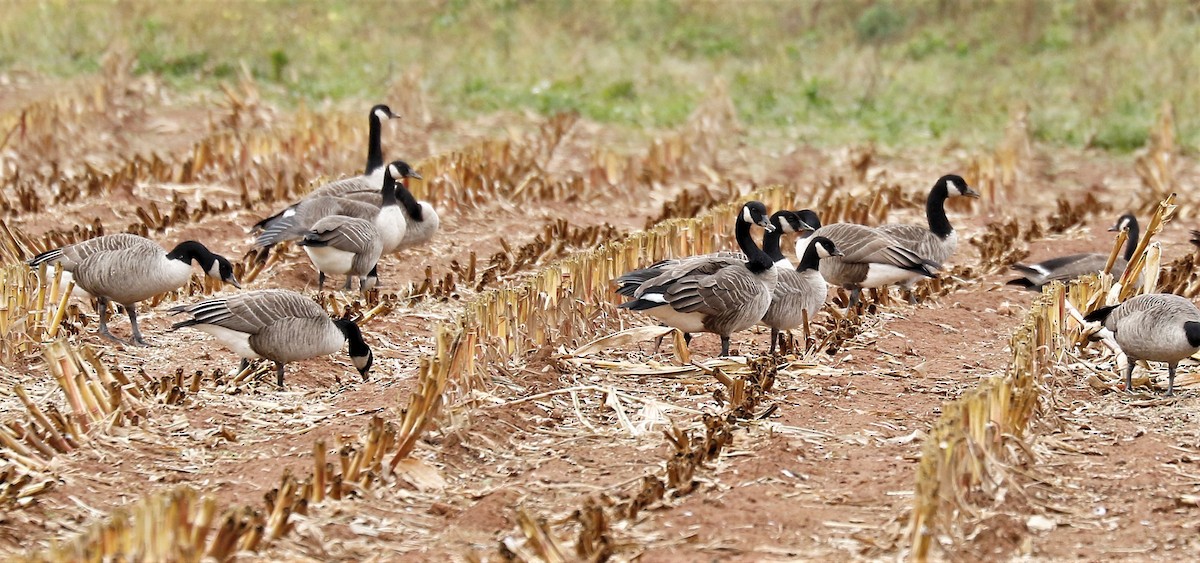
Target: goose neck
{"x": 412, "y": 207}
{"x": 757, "y": 260}
{"x": 1131, "y": 244}
{"x": 189, "y": 251}
{"x": 935, "y": 212}
{"x": 374, "y": 148}
{"x": 353, "y": 335}
{"x": 389, "y": 190}
{"x": 811, "y": 260}
{"x": 770, "y": 244}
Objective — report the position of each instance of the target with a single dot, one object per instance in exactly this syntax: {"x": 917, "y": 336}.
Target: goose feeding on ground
{"x": 1066, "y": 268}
{"x": 1157, "y": 327}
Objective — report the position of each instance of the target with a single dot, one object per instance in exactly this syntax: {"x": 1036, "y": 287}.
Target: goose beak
{"x": 766, "y": 225}
{"x": 971, "y": 193}
{"x": 415, "y": 174}
{"x": 837, "y": 253}
{"x": 234, "y": 282}
{"x": 805, "y": 228}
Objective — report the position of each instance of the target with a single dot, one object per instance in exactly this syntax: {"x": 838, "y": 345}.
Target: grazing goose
{"x": 346, "y": 246}
{"x": 371, "y": 178}
{"x": 713, "y": 295}
{"x": 276, "y": 324}
{"x": 869, "y": 258}
{"x": 127, "y": 268}
{"x": 800, "y": 292}
{"x": 1066, "y": 268}
{"x": 297, "y": 220}
{"x": 1158, "y": 327}
{"x": 939, "y": 241}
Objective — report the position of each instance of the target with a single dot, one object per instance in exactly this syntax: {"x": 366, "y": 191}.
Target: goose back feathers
{"x": 343, "y": 245}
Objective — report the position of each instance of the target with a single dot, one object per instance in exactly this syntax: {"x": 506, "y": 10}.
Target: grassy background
{"x": 926, "y": 72}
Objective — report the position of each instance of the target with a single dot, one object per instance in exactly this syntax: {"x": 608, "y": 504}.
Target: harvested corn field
{"x": 512, "y": 409}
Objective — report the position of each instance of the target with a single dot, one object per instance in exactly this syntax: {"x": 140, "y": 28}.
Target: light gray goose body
{"x": 279, "y": 325}
{"x": 938, "y": 241}
{"x": 719, "y": 296}
{"x": 346, "y": 246}
{"x": 1157, "y": 327}
{"x": 800, "y": 292}
{"x": 126, "y": 269}
{"x": 1066, "y": 268}
{"x": 422, "y": 221}
{"x": 869, "y": 258}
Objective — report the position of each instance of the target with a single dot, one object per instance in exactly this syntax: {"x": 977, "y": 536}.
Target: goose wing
{"x": 866, "y": 245}
{"x": 294, "y": 222}
{"x": 249, "y": 312}
{"x": 349, "y": 234}
{"x": 72, "y": 255}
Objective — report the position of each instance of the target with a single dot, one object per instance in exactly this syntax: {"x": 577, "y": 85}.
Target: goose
{"x": 1158, "y": 327}
{"x": 388, "y": 219}
{"x": 279, "y": 325}
{"x": 869, "y": 258}
{"x": 422, "y": 221}
{"x": 714, "y": 295}
{"x": 800, "y": 291}
{"x": 346, "y": 246}
{"x": 372, "y": 176}
{"x": 1065, "y": 268}
{"x": 126, "y": 269}
{"x": 939, "y": 241}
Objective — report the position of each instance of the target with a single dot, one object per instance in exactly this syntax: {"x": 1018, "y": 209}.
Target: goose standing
{"x": 388, "y": 219}
{"x": 371, "y": 179}
{"x": 938, "y": 241}
{"x": 714, "y": 295}
{"x": 279, "y": 325}
{"x": 1066, "y": 268}
{"x": 346, "y": 246}
{"x": 126, "y": 269}
{"x": 421, "y": 218}
{"x": 869, "y": 259}
{"x": 1158, "y": 327}
{"x": 800, "y": 291}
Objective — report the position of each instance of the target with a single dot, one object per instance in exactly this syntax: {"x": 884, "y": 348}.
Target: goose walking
{"x": 1157, "y": 327}
{"x": 1066, "y": 268}
{"x": 126, "y": 269}
{"x": 372, "y": 176}
{"x": 869, "y": 259}
{"x": 279, "y": 325}
{"x": 938, "y": 241}
{"x": 346, "y": 246}
{"x": 388, "y": 219}
{"x": 713, "y": 295}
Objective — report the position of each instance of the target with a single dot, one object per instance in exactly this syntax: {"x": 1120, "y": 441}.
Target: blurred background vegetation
{"x": 928, "y": 72}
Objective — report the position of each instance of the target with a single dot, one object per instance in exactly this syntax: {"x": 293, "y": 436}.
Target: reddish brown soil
{"x": 828, "y": 475}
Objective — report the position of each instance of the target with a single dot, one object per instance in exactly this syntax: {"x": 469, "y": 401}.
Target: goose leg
{"x": 774, "y": 339}
{"x": 321, "y": 281}
{"x": 724, "y": 346}
{"x": 102, "y": 308}
{"x": 346, "y": 286}
{"x": 1129, "y": 375}
{"x": 137, "y": 334}
{"x": 855, "y": 297}
{"x": 243, "y": 365}
{"x": 912, "y": 294}
{"x": 1171, "y": 379}
{"x": 279, "y": 374}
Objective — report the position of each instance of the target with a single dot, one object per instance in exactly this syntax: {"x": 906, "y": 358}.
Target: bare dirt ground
{"x": 825, "y": 473}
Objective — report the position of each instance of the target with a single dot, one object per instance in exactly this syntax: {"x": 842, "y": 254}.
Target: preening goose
{"x": 938, "y": 241}
{"x": 869, "y": 258}
{"x": 127, "y": 268}
{"x": 345, "y": 246}
{"x": 1157, "y": 327}
{"x": 713, "y": 295}
{"x": 1066, "y": 268}
{"x": 279, "y": 325}
{"x": 800, "y": 292}
{"x": 389, "y": 220}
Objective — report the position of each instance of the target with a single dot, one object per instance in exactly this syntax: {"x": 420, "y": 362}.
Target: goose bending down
{"x": 388, "y": 219}
{"x": 713, "y": 295}
{"x": 938, "y": 241}
{"x": 869, "y": 259}
{"x": 1158, "y": 327}
{"x": 1066, "y": 268}
{"x": 345, "y": 246}
{"x": 126, "y": 269}
{"x": 279, "y": 325}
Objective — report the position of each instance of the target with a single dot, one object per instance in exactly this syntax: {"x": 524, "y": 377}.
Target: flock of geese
{"x": 347, "y": 226}
{"x": 344, "y": 227}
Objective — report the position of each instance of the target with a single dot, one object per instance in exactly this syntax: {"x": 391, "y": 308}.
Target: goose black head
{"x": 222, "y": 269}
{"x": 955, "y": 186}
{"x": 787, "y": 222}
{"x": 755, "y": 212}
{"x": 399, "y": 170}
{"x": 810, "y": 220}
{"x": 1126, "y": 221}
{"x": 825, "y": 247}
{"x": 382, "y": 112}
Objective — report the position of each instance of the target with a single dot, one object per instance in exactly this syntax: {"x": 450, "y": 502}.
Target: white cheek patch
{"x": 1124, "y": 224}
{"x": 746, "y": 215}
{"x": 381, "y": 114}
{"x": 953, "y": 189}
{"x": 215, "y": 270}
{"x": 394, "y": 171}
{"x": 822, "y": 251}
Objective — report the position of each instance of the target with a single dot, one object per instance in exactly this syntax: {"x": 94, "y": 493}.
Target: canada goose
{"x": 800, "y": 292}
{"x": 714, "y": 295}
{"x": 939, "y": 241}
{"x": 869, "y": 258}
{"x": 1065, "y": 268}
{"x": 279, "y": 325}
{"x": 346, "y": 246}
{"x": 1158, "y": 327}
{"x": 297, "y": 220}
{"x": 127, "y": 268}
{"x": 422, "y": 220}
